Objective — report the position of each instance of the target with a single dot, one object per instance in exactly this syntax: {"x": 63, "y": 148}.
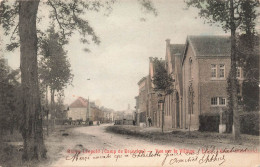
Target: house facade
{"x": 205, "y": 65}
{"x": 143, "y": 100}
{"x": 96, "y": 114}
{"x": 78, "y": 109}
{"x": 81, "y": 109}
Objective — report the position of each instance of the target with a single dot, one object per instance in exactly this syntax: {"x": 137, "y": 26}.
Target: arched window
{"x": 190, "y": 63}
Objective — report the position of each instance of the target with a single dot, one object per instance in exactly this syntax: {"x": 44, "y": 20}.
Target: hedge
{"x": 249, "y": 123}
{"x": 209, "y": 122}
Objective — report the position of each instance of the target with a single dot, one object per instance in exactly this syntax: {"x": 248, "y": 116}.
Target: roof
{"x": 141, "y": 80}
{"x": 80, "y": 102}
{"x": 177, "y": 50}
{"x": 210, "y": 45}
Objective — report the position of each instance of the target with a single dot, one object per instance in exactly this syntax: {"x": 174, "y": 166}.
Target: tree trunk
{"x": 52, "y": 109}
{"x": 163, "y": 112}
{"x": 233, "y": 79}
{"x": 32, "y": 130}
{"x": 47, "y": 109}
{"x": 12, "y": 124}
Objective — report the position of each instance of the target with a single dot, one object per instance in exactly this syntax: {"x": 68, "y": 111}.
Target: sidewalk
{"x": 183, "y": 136}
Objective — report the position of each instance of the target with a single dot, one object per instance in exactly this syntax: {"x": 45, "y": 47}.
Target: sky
{"x": 116, "y": 65}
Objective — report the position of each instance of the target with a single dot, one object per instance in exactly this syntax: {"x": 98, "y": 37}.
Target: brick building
{"x": 81, "y": 110}
{"x": 78, "y": 109}
{"x": 173, "y": 102}
{"x": 200, "y": 68}
{"x": 143, "y": 99}
{"x": 205, "y": 68}
{"x": 153, "y": 111}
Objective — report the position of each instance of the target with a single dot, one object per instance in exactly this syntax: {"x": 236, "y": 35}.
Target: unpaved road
{"x": 106, "y": 151}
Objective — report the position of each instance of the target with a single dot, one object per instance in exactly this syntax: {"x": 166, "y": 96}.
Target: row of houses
{"x": 84, "y": 110}
{"x": 87, "y": 111}
{"x": 200, "y": 69}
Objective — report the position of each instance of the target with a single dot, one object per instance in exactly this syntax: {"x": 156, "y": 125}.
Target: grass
{"x": 11, "y": 154}
{"x": 15, "y": 137}
{"x": 194, "y": 137}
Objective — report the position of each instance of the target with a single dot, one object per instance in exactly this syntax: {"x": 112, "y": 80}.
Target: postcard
{"x": 129, "y": 83}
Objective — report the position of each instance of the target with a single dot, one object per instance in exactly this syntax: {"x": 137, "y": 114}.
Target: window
{"x": 190, "y": 61}
{"x": 213, "y": 70}
{"x": 214, "y": 101}
{"x": 221, "y": 71}
{"x": 218, "y": 101}
{"x": 222, "y": 101}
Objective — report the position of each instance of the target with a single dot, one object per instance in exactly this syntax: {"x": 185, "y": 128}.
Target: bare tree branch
{"x": 15, "y": 31}
{"x": 57, "y": 18}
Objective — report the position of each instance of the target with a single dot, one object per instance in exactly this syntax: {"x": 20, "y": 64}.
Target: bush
{"x": 209, "y": 122}
{"x": 249, "y": 123}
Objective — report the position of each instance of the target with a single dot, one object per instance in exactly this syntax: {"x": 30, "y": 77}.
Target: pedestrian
{"x": 150, "y": 121}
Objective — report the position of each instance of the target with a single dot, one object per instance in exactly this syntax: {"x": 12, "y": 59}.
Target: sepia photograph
{"x": 156, "y": 83}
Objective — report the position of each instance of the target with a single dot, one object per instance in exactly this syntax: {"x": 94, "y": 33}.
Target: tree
{"x": 54, "y": 67}
{"x": 248, "y": 55}
{"x": 59, "y": 107}
{"x": 9, "y": 97}
{"x": 163, "y": 83}
{"x": 67, "y": 15}
{"x": 231, "y": 15}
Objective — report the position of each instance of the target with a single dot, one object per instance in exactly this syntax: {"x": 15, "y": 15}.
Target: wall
{"x": 190, "y": 76}
{"x": 212, "y": 87}
{"x": 168, "y": 105}
{"x": 143, "y": 100}
{"x": 152, "y": 96}
{"x": 77, "y": 113}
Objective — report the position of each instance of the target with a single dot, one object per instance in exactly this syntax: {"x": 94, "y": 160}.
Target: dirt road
{"x": 93, "y": 146}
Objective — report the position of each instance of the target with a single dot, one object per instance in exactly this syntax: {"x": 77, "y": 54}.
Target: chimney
{"x": 168, "y": 41}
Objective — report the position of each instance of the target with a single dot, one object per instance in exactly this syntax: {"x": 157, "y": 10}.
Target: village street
{"x": 95, "y": 138}
{"x": 104, "y": 147}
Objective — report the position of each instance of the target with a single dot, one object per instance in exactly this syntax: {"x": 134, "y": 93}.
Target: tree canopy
{"x": 9, "y": 97}
{"x": 161, "y": 79}
{"x": 54, "y": 66}
{"x": 19, "y": 19}
{"x": 218, "y": 12}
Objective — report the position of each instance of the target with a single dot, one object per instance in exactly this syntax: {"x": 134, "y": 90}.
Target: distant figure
{"x": 150, "y": 121}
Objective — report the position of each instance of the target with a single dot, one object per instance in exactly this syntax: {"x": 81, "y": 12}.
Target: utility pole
{"x": 88, "y": 111}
